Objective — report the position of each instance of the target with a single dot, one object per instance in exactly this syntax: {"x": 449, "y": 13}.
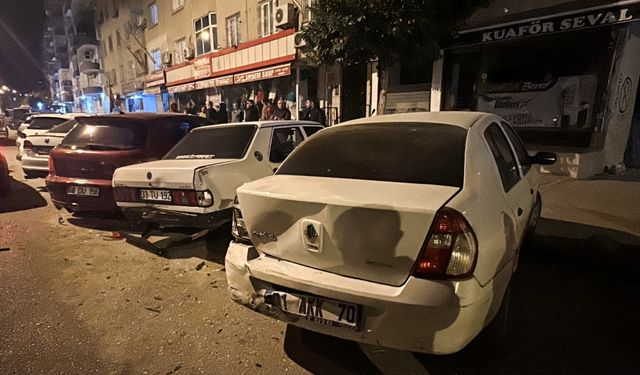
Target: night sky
{"x": 21, "y": 29}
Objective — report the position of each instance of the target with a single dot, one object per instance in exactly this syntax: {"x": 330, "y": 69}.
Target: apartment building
{"x": 226, "y": 51}
{"x": 120, "y": 30}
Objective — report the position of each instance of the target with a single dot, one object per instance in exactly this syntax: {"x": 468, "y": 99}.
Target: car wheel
{"x": 5, "y": 184}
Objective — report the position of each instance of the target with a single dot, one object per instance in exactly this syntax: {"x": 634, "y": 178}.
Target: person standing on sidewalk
{"x": 237, "y": 114}
{"x": 251, "y": 111}
{"x": 313, "y": 113}
{"x": 282, "y": 112}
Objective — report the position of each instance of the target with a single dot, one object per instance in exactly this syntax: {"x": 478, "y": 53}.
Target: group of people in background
{"x": 252, "y": 111}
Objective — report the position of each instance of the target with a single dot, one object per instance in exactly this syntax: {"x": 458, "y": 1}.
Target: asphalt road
{"x": 75, "y": 300}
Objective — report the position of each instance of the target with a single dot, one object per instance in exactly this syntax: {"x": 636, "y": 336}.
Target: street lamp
{"x": 5, "y": 88}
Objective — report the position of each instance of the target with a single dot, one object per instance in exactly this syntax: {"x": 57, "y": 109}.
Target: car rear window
{"x": 222, "y": 142}
{"x": 63, "y": 128}
{"x": 105, "y": 137}
{"x": 45, "y": 123}
{"x": 400, "y": 152}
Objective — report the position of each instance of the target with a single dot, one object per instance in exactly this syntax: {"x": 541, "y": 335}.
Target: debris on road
{"x": 4, "y": 249}
{"x": 200, "y": 265}
{"x": 114, "y": 236}
{"x": 153, "y": 309}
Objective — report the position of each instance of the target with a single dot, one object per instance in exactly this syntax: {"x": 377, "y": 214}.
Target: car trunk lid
{"x": 370, "y": 230}
{"x": 168, "y": 174}
{"x": 92, "y": 164}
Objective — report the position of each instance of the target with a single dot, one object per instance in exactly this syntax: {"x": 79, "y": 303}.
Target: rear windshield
{"x": 63, "y": 128}
{"x": 402, "y": 152}
{"x": 223, "y": 142}
{"x": 45, "y": 123}
{"x": 105, "y": 137}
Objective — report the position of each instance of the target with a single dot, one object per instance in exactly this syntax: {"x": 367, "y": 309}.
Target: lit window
{"x": 178, "y": 4}
{"x": 153, "y": 9}
{"x": 267, "y": 24}
{"x": 206, "y": 29}
{"x": 233, "y": 30}
{"x": 181, "y": 50}
{"x": 157, "y": 60}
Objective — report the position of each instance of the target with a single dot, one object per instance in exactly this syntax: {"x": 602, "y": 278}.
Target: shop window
{"x": 206, "y": 29}
{"x": 156, "y": 59}
{"x": 153, "y": 10}
{"x": 178, "y": 4}
{"x": 181, "y": 50}
{"x": 504, "y": 157}
{"x": 233, "y": 30}
{"x": 266, "y": 18}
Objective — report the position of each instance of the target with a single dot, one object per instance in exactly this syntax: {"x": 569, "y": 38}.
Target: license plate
{"x": 155, "y": 195}
{"x": 83, "y": 190}
{"x": 317, "y": 309}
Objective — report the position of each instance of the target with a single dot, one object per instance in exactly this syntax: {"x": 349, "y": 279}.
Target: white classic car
{"x": 397, "y": 230}
{"x": 39, "y": 124}
{"x": 194, "y": 185}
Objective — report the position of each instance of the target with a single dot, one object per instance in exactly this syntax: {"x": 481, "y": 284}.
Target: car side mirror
{"x": 544, "y": 158}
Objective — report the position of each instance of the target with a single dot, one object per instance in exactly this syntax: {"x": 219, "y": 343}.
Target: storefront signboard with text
{"x": 258, "y": 75}
{"x": 551, "y": 24}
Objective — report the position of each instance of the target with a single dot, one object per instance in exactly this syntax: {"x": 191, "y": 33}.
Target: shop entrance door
{"x": 632, "y": 153}
{"x": 354, "y": 89}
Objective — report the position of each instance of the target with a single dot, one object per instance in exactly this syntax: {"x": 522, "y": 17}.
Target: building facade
{"x": 564, "y": 73}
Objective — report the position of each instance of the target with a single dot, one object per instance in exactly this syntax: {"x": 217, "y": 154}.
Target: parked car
{"x": 5, "y": 180}
{"x": 398, "y": 230}
{"x": 81, "y": 167}
{"x": 36, "y": 149}
{"x": 194, "y": 185}
{"x": 14, "y": 117}
{"x": 38, "y": 124}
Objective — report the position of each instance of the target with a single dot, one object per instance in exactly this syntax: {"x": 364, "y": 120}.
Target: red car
{"x": 81, "y": 167}
{"x": 5, "y": 180}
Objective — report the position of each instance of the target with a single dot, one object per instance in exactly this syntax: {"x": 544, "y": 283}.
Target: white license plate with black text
{"x": 155, "y": 195}
{"x": 317, "y": 309}
{"x": 88, "y": 191}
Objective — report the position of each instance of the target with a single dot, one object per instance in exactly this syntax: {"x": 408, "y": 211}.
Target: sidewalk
{"x": 611, "y": 202}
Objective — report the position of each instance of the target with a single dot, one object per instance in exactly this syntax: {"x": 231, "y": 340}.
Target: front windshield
{"x": 223, "y": 142}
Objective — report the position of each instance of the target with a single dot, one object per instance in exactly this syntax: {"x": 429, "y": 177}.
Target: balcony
{"x": 92, "y": 85}
{"x": 89, "y": 67}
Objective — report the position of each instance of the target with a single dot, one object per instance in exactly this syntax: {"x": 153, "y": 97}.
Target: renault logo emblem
{"x": 311, "y": 233}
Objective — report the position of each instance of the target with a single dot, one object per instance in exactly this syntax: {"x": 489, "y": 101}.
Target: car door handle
{"x": 520, "y": 211}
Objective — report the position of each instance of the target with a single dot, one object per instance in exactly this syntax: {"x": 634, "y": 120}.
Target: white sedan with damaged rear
{"x": 195, "y": 184}
{"x": 397, "y": 230}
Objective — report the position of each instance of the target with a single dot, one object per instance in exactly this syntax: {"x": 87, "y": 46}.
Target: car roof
{"x": 135, "y": 117}
{"x": 66, "y": 116}
{"x": 261, "y": 124}
{"x": 463, "y": 119}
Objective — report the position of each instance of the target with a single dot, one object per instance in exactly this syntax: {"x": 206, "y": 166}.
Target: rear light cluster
{"x": 238, "y": 228}
{"x": 450, "y": 250}
{"x": 178, "y": 197}
{"x": 52, "y": 167}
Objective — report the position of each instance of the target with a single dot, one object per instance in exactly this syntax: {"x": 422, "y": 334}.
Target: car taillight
{"x": 238, "y": 228}
{"x": 450, "y": 250}
{"x": 192, "y": 198}
{"x": 124, "y": 194}
{"x": 52, "y": 167}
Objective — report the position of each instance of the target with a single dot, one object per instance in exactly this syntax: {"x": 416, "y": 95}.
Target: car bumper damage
{"x": 430, "y": 316}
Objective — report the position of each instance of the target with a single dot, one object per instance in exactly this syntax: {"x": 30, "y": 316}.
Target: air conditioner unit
{"x": 189, "y": 54}
{"x": 166, "y": 59}
{"x": 298, "y": 40}
{"x": 285, "y": 16}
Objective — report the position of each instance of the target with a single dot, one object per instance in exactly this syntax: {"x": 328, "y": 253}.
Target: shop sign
{"x": 202, "y": 68}
{"x": 214, "y": 82}
{"x": 155, "y": 79}
{"x": 258, "y": 75}
{"x": 182, "y": 88}
{"x": 547, "y": 25}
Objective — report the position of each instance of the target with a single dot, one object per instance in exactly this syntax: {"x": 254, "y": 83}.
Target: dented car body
{"x": 195, "y": 184}
{"x": 399, "y": 230}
